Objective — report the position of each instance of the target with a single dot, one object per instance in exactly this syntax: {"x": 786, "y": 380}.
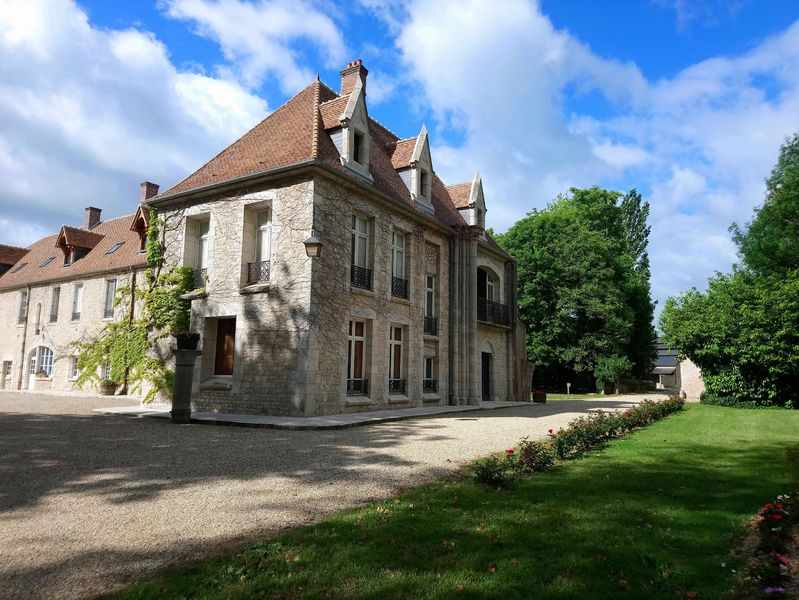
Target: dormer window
{"x": 424, "y": 184}
{"x": 357, "y": 147}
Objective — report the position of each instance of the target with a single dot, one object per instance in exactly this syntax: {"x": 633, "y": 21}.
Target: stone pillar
{"x": 181, "y": 390}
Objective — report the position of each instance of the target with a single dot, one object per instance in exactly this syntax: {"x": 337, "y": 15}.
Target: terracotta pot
{"x": 108, "y": 389}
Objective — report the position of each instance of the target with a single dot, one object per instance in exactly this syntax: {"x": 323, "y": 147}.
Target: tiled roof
{"x": 80, "y": 238}
{"x": 298, "y": 131}
{"x": 460, "y": 193}
{"x": 11, "y": 254}
{"x": 491, "y": 244}
{"x": 402, "y": 153}
{"x": 96, "y": 261}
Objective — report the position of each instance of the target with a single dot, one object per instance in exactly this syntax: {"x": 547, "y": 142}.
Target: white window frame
{"x": 73, "y": 367}
{"x": 41, "y": 360}
{"x": 263, "y": 242}
{"x": 22, "y": 309}
{"x": 490, "y": 288}
{"x": 398, "y": 243}
{"x": 55, "y": 300}
{"x": 396, "y": 345}
{"x": 105, "y": 370}
{"x": 77, "y": 301}
{"x": 203, "y": 242}
{"x": 430, "y": 296}
{"x": 110, "y": 292}
{"x": 360, "y": 238}
{"x": 352, "y": 339}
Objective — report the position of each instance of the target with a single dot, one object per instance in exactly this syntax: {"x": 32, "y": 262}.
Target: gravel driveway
{"x": 91, "y": 503}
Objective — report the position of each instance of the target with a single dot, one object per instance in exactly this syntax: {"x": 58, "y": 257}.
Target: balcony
{"x": 357, "y": 387}
{"x": 492, "y": 312}
{"x": 396, "y": 386}
{"x": 360, "y": 277}
{"x": 399, "y": 287}
{"x": 200, "y": 278}
{"x": 430, "y": 326}
{"x": 258, "y": 272}
{"x": 429, "y": 386}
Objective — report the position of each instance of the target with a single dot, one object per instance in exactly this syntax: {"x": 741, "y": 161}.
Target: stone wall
{"x": 18, "y": 340}
{"x": 691, "y": 383}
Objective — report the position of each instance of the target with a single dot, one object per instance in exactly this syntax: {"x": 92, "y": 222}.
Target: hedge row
{"x": 582, "y": 434}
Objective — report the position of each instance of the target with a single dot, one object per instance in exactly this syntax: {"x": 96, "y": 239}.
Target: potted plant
{"x": 108, "y": 387}
{"x": 41, "y": 374}
{"x": 187, "y": 340}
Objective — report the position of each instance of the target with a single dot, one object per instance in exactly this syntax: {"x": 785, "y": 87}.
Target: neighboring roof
{"x": 460, "y": 193}
{"x": 77, "y": 237}
{"x": 9, "y": 255}
{"x": 107, "y": 233}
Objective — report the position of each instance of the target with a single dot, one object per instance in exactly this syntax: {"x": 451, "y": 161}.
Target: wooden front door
{"x": 486, "y": 375}
{"x": 225, "y": 345}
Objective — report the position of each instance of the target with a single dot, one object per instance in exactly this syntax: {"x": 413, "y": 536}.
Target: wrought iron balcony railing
{"x": 360, "y": 277}
{"x": 200, "y": 278}
{"x": 258, "y": 272}
{"x": 396, "y": 386}
{"x": 492, "y": 312}
{"x": 431, "y": 326}
{"x": 357, "y": 387}
{"x": 429, "y": 386}
{"x": 399, "y": 287}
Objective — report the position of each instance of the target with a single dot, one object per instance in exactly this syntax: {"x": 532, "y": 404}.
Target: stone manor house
{"x": 334, "y": 272}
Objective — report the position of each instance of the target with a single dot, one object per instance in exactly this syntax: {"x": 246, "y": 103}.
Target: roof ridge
{"x": 329, "y": 88}
{"x": 316, "y": 119}
{"x": 336, "y": 99}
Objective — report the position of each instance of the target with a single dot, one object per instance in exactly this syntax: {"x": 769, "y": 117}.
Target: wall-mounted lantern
{"x": 313, "y": 247}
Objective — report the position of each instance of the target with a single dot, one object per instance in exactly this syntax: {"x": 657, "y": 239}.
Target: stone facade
{"x": 690, "y": 381}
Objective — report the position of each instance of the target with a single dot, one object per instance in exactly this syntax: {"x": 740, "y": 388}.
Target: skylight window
{"x": 20, "y": 267}
{"x": 47, "y": 261}
{"x": 114, "y": 248}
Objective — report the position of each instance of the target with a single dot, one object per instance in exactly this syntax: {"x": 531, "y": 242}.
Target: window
{"x": 360, "y": 274}
{"x": 20, "y": 267}
{"x": 430, "y": 296}
{"x": 47, "y": 261}
{"x": 490, "y": 287}
{"x": 357, "y": 147}
{"x": 399, "y": 285}
{"x": 55, "y": 298}
{"x": 73, "y": 367}
{"x": 110, "y": 290}
{"x": 7, "y": 368}
{"x": 77, "y": 301}
{"x": 264, "y": 243}
{"x": 357, "y": 383}
{"x": 23, "y": 307}
{"x": 115, "y": 247}
{"x": 396, "y": 382}
{"x": 428, "y": 367}
{"x": 105, "y": 370}
{"x": 202, "y": 246}
{"x": 424, "y": 184}
{"x": 41, "y": 362}
{"x": 429, "y": 382}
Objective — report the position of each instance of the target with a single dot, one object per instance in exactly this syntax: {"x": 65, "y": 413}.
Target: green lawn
{"x": 652, "y": 515}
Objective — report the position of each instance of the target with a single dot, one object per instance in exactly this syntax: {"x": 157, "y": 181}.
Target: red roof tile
{"x": 11, "y": 254}
{"x": 402, "y": 152}
{"x": 96, "y": 261}
{"x": 460, "y": 193}
{"x": 80, "y": 238}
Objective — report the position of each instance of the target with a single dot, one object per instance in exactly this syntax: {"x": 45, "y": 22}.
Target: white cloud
{"x": 698, "y": 144}
{"x": 86, "y": 114}
{"x": 258, "y": 38}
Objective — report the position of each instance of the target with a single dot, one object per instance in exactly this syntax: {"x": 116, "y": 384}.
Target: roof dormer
{"x": 411, "y": 158}
{"x": 76, "y": 243}
{"x": 473, "y": 207}
{"x": 355, "y": 140}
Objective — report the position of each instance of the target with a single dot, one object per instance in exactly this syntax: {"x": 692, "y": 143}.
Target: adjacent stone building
{"x": 410, "y": 303}
{"x": 334, "y": 272}
{"x": 60, "y": 290}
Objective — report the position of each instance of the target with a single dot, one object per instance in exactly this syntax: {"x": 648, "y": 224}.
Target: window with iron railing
{"x": 360, "y": 277}
{"x": 492, "y": 312}
{"x": 431, "y": 326}
{"x": 357, "y": 382}
{"x": 399, "y": 285}
{"x": 360, "y": 274}
{"x": 429, "y": 386}
{"x": 258, "y": 272}
{"x": 396, "y": 386}
{"x": 200, "y": 278}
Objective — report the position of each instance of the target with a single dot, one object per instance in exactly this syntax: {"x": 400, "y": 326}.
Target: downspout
{"x": 24, "y": 338}
{"x": 451, "y": 284}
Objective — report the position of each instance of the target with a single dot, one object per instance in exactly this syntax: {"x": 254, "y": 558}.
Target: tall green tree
{"x": 743, "y": 331}
{"x": 581, "y": 261}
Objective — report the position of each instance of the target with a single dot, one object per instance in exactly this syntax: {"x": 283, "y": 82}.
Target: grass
{"x": 653, "y": 515}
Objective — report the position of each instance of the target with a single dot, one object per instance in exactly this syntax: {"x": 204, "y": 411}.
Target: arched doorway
{"x": 40, "y": 361}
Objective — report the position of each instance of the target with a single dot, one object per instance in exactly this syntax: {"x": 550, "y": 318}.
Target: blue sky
{"x": 687, "y": 101}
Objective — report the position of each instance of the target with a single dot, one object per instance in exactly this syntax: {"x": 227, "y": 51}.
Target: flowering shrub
{"x": 768, "y": 571}
{"x": 580, "y": 435}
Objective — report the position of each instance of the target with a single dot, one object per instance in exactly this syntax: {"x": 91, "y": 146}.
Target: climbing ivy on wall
{"x": 132, "y": 346}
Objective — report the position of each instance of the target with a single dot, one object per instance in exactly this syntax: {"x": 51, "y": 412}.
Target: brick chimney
{"x": 354, "y": 71}
{"x": 92, "y": 217}
{"x": 147, "y": 190}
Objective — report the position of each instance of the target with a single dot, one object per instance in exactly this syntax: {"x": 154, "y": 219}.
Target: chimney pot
{"x": 147, "y": 190}
{"x": 92, "y": 217}
{"x": 352, "y": 73}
